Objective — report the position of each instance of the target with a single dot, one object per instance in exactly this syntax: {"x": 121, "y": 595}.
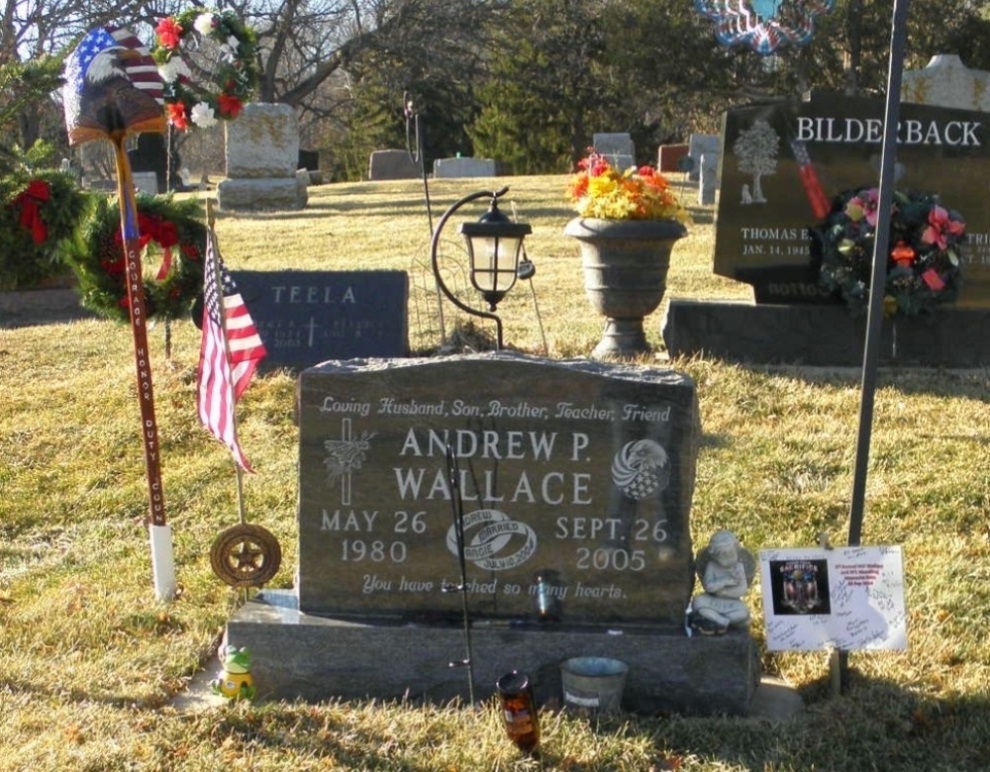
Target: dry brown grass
{"x": 90, "y": 662}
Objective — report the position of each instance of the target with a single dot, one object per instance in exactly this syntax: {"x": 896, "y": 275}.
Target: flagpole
{"x": 888, "y": 159}
{"x": 215, "y": 267}
{"x": 162, "y": 561}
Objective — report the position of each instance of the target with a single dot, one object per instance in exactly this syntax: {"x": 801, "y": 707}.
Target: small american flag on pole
{"x": 229, "y": 353}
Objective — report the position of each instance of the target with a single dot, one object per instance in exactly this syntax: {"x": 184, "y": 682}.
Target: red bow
{"x": 163, "y": 232}
{"x": 30, "y": 201}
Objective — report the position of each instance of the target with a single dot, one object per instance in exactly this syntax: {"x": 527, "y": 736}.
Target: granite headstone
{"x": 947, "y": 82}
{"x": 699, "y": 145}
{"x": 575, "y": 481}
{"x": 618, "y": 147}
{"x": 307, "y": 317}
{"x": 464, "y": 167}
{"x": 392, "y": 165}
{"x": 783, "y": 163}
{"x": 262, "y": 154}
{"x": 669, "y": 157}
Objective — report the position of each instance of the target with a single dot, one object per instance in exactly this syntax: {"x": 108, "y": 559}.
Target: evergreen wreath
{"x": 234, "y": 75}
{"x": 175, "y": 228}
{"x": 923, "y": 266}
{"x": 39, "y": 213}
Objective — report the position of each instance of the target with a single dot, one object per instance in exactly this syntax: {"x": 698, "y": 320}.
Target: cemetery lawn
{"x": 91, "y": 664}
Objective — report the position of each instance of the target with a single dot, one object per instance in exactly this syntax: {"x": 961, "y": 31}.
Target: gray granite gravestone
{"x": 562, "y": 468}
{"x": 618, "y": 147}
{"x": 392, "y": 165}
{"x": 946, "y": 81}
{"x": 574, "y": 481}
{"x": 464, "y": 167}
{"x": 699, "y": 145}
{"x": 306, "y": 317}
{"x": 708, "y": 179}
{"x": 262, "y": 153}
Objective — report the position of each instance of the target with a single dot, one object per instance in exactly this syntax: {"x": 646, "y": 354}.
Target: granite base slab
{"x": 823, "y": 335}
{"x": 303, "y": 656}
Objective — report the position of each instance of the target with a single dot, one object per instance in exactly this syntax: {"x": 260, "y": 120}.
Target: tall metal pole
{"x": 881, "y": 248}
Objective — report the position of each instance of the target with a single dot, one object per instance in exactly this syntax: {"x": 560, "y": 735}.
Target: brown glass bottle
{"x": 519, "y": 710}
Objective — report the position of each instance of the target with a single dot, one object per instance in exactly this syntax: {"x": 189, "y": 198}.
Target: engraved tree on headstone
{"x": 756, "y": 151}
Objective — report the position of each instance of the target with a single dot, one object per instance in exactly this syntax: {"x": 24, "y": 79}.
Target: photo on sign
{"x": 849, "y": 598}
{"x": 800, "y": 587}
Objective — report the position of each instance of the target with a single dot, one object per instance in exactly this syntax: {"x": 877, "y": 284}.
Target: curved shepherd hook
{"x": 112, "y": 90}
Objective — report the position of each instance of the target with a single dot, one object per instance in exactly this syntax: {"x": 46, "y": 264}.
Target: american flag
{"x": 229, "y": 353}
{"x": 820, "y": 205}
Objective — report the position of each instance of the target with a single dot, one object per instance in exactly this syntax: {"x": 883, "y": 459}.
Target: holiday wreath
{"x": 923, "y": 257}
{"x": 233, "y": 77}
{"x": 175, "y": 228}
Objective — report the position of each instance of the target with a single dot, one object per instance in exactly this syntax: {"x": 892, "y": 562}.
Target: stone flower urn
{"x": 625, "y": 266}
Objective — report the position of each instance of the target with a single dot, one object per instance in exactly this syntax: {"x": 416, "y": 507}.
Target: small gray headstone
{"x": 464, "y": 167}
{"x": 392, "y": 165}
{"x": 308, "y": 317}
{"x": 699, "y": 145}
{"x": 576, "y": 479}
{"x": 145, "y": 182}
{"x": 617, "y": 147}
{"x": 708, "y": 179}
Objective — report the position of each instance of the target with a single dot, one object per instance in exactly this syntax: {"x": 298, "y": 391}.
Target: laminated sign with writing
{"x": 848, "y": 599}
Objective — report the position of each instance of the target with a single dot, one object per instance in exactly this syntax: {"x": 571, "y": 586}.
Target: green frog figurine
{"x": 235, "y": 682}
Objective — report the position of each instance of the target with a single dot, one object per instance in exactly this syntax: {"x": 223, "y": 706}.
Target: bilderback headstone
{"x": 262, "y": 150}
{"x": 307, "y": 317}
{"x": 784, "y": 162}
{"x": 574, "y": 483}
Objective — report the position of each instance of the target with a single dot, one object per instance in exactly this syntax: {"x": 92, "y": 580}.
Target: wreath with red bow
{"x": 173, "y": 229}
{"x": 38, "y": 213}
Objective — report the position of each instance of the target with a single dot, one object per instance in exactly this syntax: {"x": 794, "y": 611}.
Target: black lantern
{"x": 494, "y": 246}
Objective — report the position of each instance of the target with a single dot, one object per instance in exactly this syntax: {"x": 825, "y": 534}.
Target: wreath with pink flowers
{"x": 235, "y": 74}
{"x": 924, "y": 254}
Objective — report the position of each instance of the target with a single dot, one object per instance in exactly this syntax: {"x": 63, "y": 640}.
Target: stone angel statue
{"x": 726, "y": 570}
